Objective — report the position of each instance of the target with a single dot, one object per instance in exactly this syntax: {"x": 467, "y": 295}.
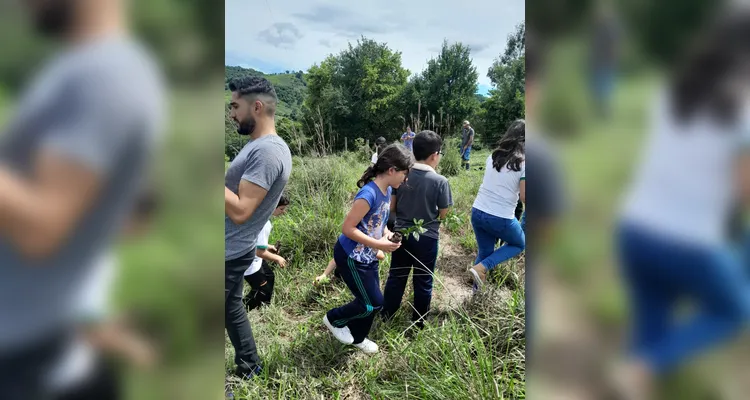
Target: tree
{"x": 352, "y": 94}
{"x": 506, "y": 100}
{"x": 447, "y": 87}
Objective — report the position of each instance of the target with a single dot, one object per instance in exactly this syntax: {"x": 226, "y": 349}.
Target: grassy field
{"x": 472, "y": 347}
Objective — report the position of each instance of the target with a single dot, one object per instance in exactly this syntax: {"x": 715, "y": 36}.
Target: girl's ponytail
{"x": 369, "y": 175}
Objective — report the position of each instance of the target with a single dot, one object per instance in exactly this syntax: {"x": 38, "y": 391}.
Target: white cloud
{"x": 295, "y": 34}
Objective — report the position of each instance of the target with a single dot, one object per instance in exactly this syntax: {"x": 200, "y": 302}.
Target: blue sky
{"x": 279, "y": 35}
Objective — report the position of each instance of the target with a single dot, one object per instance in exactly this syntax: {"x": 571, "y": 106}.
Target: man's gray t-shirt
{"x": 466, "y": 134}
{"x": 99, "y": 104}
{"x": 423, "y": 194}
{"x": 266, "y": 162}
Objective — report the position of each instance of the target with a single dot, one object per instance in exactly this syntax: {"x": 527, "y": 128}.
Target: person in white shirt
{"x": 379, "y": 145}
{"x": 259, "y": 275}
{"x": 493, "y": 215}
{"x": 672, "y": 239}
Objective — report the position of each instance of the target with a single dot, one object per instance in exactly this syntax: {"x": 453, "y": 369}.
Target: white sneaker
{"x": 367, "y": 346}
{"x": 343, "y": 335}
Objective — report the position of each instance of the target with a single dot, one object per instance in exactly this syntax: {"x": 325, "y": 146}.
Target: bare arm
{"x": 39, "y": 213}
{"x": 442, "y": 213}
{"x": 358, "y": 211}
{"x": 240, "y": 208}
{"x": 522, "y": 193}
{"x": 271, "y": 257}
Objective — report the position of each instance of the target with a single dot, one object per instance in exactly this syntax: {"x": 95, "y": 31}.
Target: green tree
{"x": 506, "y": 100}
{"x": 353, "y": 94}
{"x": 446, "y": 88}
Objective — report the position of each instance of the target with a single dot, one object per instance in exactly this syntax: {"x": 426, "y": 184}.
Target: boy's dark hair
{"x": 426, "y": 143}
{"x": 393, "y": 156}
{"x": 256, "y": 88}
{"x": 380, "y": 140}
{"x": 511, "y": 148}
{"x": 283, "y": 201}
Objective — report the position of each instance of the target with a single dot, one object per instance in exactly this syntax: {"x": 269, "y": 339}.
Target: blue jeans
{"x": 426, "y": 251}
{"x": 364, "y": 282}
{"x": 488, "y": 229}
{"x": 658, "y": 273}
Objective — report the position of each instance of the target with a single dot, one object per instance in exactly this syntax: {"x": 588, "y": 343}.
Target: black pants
{"x": 364, "y": 282}
{"x": 23, "y": 372}
{"x": 102, "y": 384}
{"x": 261, "y": 287}
{"x": 235, "y": 316}
{"x": 425, "y": 250}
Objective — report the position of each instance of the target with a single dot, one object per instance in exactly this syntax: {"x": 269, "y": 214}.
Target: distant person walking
{"x": 493, "y": 214}
{"x": 379, "y": 146}
{"x": 408, "y": 139}
{"x": 467, "y": 139}
{"x": 254, "y": 184}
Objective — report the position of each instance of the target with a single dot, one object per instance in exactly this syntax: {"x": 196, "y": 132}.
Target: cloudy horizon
{"x": 276, "y": 36}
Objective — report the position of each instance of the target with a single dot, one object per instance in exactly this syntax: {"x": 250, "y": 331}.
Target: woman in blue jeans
{"x": 672, "y": 238}
{"x": 493, "y": 215}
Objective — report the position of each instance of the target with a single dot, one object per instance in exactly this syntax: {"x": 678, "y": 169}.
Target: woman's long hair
{"x": 705, "y": 81}
{"x": 393, "y": 156}
{"x": 510, "y": 150}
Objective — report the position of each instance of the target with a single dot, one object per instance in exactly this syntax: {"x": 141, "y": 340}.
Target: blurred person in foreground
{"x": 71, "y": 162}
{"x": 672, "y": 236}
{"x": 254, "y": 184}
{"x": 88, "y": 370}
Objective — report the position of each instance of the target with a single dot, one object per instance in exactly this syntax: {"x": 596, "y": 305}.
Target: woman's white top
{"x": 498, "y": 195}
{"x": 683, "y": 185}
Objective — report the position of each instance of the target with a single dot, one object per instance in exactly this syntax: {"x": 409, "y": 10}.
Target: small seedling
{"x": 416, "y": 230}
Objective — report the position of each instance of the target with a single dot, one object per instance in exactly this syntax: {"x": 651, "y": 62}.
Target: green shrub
{"x": 450, "y": 163}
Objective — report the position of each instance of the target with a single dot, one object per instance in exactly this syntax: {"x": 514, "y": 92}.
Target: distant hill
{"x": 290, "y": 88}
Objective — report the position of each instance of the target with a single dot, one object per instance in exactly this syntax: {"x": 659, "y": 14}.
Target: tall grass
{"x": 469, "y": 350}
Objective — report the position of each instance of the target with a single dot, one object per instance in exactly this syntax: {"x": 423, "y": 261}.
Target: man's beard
{"x": 54, "y": 19}
{"x": 247, "y": 127}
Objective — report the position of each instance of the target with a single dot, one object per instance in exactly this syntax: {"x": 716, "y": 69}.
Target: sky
{"x": 278, "y": 35}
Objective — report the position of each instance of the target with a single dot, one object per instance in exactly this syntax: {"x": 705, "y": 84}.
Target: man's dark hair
{"x": 426, "y": 143}
{"x": 256, "y": 88}
{"x": 283, "y": 201}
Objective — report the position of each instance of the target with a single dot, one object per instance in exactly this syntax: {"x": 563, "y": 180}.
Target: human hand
{"x": 384, "y": 244}
{"x": 281, "y": 261}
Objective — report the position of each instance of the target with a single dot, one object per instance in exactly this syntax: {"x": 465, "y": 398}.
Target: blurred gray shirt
{"x": 100, "y": 104}
{"x": 266, "y": 162}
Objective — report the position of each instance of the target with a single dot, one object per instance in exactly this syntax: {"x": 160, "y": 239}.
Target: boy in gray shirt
{"x": 254, "y": 183}
{"x": 426, "y": 195}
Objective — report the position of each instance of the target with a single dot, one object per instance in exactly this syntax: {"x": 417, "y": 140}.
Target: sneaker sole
{"x": 476, "y": 278}
{"x": 331, "y": 329}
